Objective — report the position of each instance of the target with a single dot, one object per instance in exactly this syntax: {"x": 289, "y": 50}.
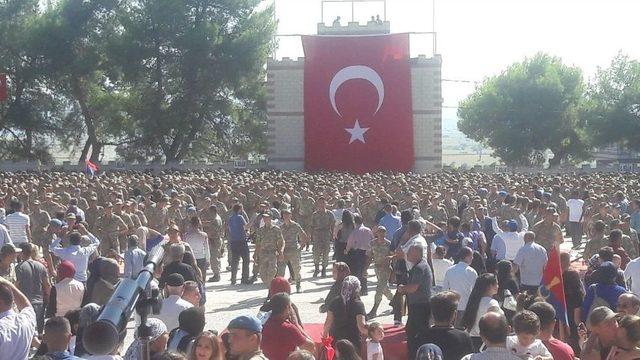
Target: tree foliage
{"x": 160, "y": 79}
{"x": 529, "y": 108}
{"x": 612, "y": 115}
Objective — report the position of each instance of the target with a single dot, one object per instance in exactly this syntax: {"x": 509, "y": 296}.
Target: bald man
{"x": 493, "y": 331}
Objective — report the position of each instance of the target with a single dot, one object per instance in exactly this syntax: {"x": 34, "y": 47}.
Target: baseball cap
{"x": 175, "y": 279}
{"x": 9, "y": 249}
{"x": 71, "y": 216}
{"x": 600, "y": 314}
{"x": 246, "y": 322}
{"x": 55, "y": 223}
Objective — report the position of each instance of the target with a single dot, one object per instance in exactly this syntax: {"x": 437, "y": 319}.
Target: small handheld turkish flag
{"x": 4, "y": 94}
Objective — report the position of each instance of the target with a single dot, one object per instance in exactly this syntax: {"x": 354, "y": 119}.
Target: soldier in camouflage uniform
{"x": 322, "y": 223}
{"x": 117, "y": 210}
{"x": 305, "y": 209}
{"x": 293, "y": 235}
{"x": 380, "y": 255}
{"x": 548, "y": 232}
{"x": 436, "y": 213}
{"x": 39, "y": 222}
{"x": 270, "y": 247}
{"x": 110, "y": 226}
{"x": 92, "y": 213}
{"x": 157, "y": 215}
{"x": 212, "y": 225}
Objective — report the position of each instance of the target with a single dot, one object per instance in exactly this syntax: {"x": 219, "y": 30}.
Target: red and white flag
{"x": 357, "y": 103}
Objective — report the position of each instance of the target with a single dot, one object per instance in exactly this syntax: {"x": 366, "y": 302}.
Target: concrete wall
{"x": 285, "y": 80}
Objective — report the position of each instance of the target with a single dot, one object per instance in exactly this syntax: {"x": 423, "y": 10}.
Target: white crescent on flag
{"x": 356, "y": 72}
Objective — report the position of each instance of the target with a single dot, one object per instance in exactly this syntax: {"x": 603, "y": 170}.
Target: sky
{"x": 480, "y": 38}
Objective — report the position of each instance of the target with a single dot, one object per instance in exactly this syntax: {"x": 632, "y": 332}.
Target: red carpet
{"x": 394, "y": 344}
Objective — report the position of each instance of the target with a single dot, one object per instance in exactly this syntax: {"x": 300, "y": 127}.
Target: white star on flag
{"x": 357, "y": 132}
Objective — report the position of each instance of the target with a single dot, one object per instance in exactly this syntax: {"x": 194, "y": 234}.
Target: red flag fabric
{"x": 552, "y": 287}
{"x": 4, "y": 93}
{"x": 357, "y": 103}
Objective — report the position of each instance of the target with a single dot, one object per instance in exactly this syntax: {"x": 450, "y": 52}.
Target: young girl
{"x": 206, "y": 347}
{"x": 374, "y": 348}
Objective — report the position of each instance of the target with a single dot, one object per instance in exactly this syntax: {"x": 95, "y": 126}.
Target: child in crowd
{"x": 524, "y": 343}
{"x": 374, "y": 348}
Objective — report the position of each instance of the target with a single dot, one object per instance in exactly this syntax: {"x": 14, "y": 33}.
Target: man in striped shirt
{"x": 18, "y": 223}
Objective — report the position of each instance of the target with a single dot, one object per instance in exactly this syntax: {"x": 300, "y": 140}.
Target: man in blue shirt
{"x": 390, "y": 221}
{"x": 238, "y": 244}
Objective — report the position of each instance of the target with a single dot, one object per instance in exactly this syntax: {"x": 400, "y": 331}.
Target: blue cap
{"x": 246, "y": 322}
{"x": 513, "y": 225}
{"x": 502, "y": 193}
{"x": 55, "y": 223}
{"x": 483, "y": 191}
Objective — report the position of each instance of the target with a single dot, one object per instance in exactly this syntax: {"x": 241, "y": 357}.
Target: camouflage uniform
{"x": 436, "y": 215}
{"x": 306, "y": 205}
{"x": 270, "y": 241}
{"x": 546, "y": 234}
{"x": 91, "y": 217}
{"x": 593, "y": 246}
{"x": 212, "y": 225}
{"x": 291, "y": 233}
{"x": 322, "y": 227}
{"x": 628, "y": 246}
{"x": 379, "y": 253}
{"x": 175, "y": 215}
{"x": 130, "y": 225}
{"x": 109, "y": 228}
{"x": 39, "y": 221}
{"x": 157, "y": 218}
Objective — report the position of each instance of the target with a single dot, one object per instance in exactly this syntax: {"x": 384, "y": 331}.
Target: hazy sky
{"x": 479, "y": 38}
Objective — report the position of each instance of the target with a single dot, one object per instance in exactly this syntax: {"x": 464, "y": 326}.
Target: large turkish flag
{"x": 357, "y": 103}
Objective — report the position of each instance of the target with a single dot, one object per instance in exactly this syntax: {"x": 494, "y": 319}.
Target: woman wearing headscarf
{"x": 67, "y": 293}
{"x": 88, "y": 315}
{"x": 159, "y": 336}
{"x": 346, "y": 315}
{"x": 340, "y": 271}
{"x": 280, "y": 285}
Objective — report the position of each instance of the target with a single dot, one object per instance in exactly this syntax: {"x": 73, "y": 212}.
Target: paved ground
{"x": 226, "y": 301}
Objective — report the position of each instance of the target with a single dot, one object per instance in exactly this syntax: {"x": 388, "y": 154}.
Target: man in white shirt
{"x": 76, "y": 253}
{"x": 440, "y": 267}
{"x": 173, "y": 304}
{"x": 513, "y": 240}
{"x": 460, "y": 278}
{"x": 531, "y": 260}
{"x": 18, "y": 224}
{"x": 17, "y": 329}
{"x": 575, "y": 206}
{"x": 414, "y": 228}
{"x": 5, "y": 238}
{"x": 632, "y": 276}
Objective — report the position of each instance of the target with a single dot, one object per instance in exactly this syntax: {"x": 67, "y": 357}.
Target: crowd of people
{"x": 461, "y": 255}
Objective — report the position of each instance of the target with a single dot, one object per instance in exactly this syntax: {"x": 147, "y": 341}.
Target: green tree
{"x": 531, "y": 107}
{"x": 70, "y": 40}
{"x": 30, "y": 118}
{"x": 612, "y": 115}
{"x": 194, "y": 70}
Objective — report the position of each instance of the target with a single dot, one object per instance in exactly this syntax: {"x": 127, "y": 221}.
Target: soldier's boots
{"x": 298, "y": 288}
{"x": 215, "y": 278}
{"x": 324, "y": 272}
{"x": 316, "y": 271}
{"x": 253, "y": 279}
{"x": 373, "y": 313}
